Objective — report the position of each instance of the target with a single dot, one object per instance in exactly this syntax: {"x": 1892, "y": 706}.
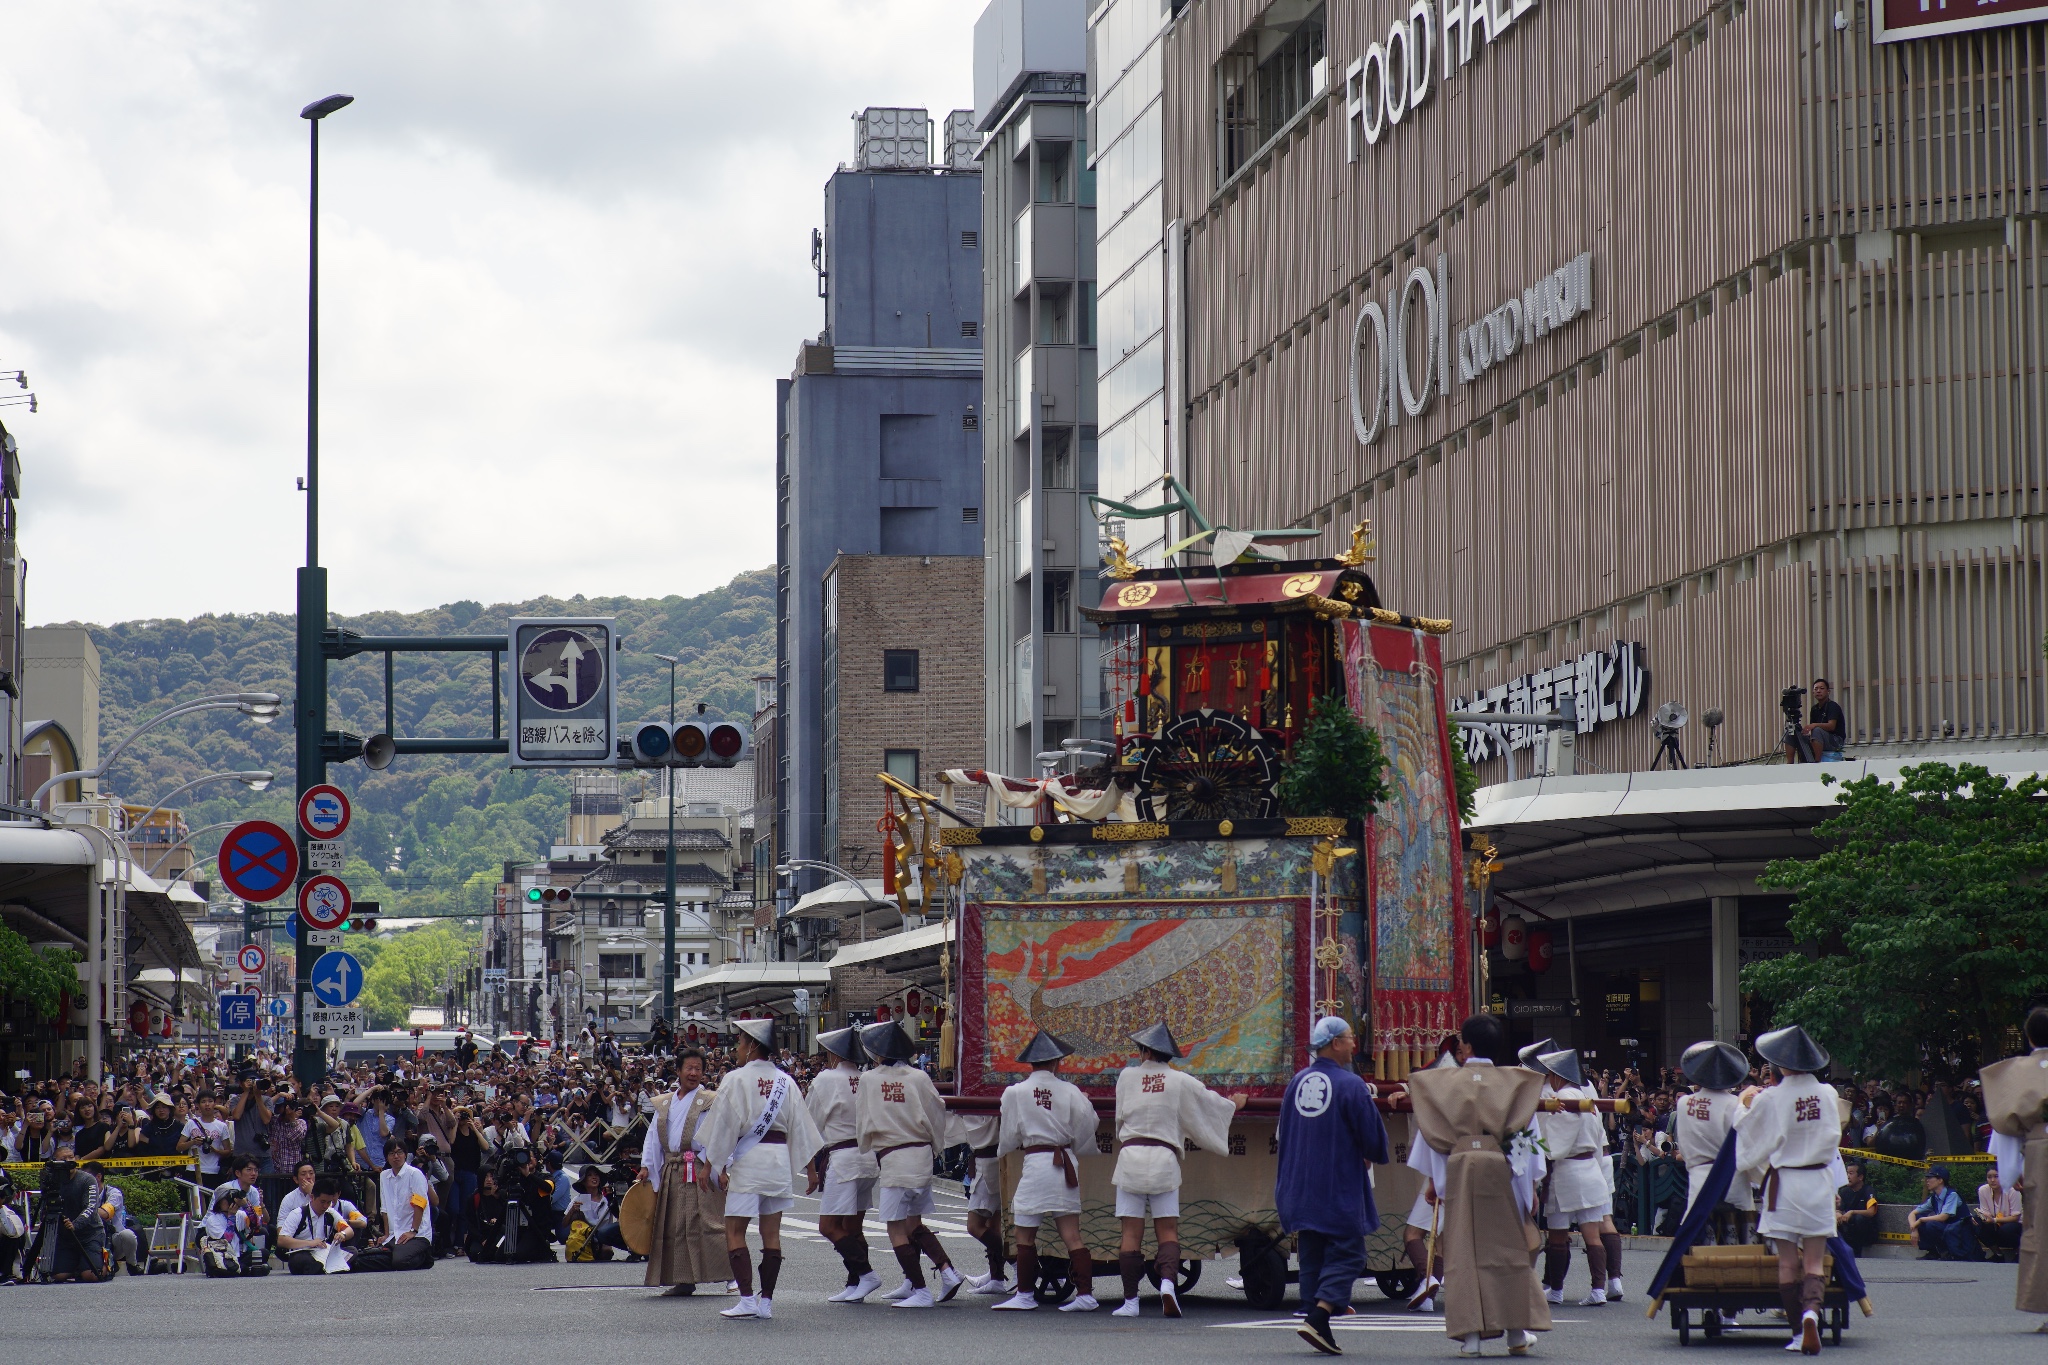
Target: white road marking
{"x": 1359, "y": 1322}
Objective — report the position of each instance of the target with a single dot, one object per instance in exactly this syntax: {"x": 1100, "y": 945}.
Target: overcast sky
{"x": 565, "y": 254}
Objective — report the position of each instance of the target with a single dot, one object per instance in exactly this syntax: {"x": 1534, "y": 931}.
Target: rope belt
{"x": 985, "y": 1153}
{"x": 1771, "y": 1183}
{"x": 899, "y": 1147}
{"x": 1173, "y": 1147}
{"x": 832, "y": 1147}
{"x": 1061, "y": 1160}
{"x": 782, "y": 1138}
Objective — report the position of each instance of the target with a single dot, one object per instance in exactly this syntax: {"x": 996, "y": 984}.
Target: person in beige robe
{"x": 689, "y": 1209}
{"x": 2016, "y": 1102}
{"x": 1466, "y": 1119}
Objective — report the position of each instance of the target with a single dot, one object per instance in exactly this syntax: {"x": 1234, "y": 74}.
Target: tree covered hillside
{"x": 429, "y": 832}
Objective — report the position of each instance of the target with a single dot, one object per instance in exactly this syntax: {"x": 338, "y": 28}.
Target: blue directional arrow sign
{"x": 337, "y": 979}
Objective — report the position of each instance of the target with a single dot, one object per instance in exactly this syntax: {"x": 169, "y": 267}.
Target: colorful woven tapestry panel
{"x": 1225, "y": 975}
{"x": 1415, "y": 870}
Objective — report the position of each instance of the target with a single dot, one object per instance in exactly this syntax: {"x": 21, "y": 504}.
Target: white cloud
{"x": 565, "y": 255}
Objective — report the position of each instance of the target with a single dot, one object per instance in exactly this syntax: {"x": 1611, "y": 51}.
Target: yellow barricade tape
{"x": 1961, "y": 1159}
{"x": 112, "y": 1163}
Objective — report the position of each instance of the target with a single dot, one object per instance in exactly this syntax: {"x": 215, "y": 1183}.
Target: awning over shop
{"x": 746, "y": 985}
{"x": 914, "y": 947}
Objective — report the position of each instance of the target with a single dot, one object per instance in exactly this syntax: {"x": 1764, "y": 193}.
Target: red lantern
{"x": 170, "y": 1026}
{"x": 1539, "y": 950}
{"x": 940, "y": 1015}
{"x": 1489, "y": 929}
{"x": 138, "y": 1018}
{"x": 881, "y": 1014}
{"x": 915, "y": 1002}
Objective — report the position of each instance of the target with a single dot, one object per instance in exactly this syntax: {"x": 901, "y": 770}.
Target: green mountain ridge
{"x": 429, "y": 833}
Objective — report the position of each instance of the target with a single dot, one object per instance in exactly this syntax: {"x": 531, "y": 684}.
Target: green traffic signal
{"x": 533, "y": 894}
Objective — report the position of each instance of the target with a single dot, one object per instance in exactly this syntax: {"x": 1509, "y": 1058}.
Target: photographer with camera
{"x": 251, "y": 1114}
{"x": 1820, "y": 739}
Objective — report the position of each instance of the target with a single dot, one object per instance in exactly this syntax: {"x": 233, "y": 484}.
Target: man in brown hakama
{"x": 2016, "y": 1102}
{"x": 689, "y": 1210}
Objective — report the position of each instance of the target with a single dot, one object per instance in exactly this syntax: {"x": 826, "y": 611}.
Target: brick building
{"x": 902, "y": 686}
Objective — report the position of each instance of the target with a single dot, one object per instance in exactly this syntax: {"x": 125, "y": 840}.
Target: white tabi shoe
{"x": 745, "y": 1308}
{"x": 1519, "y": 1342}
{"x": 1080, "y": 1303}
{"x": 732, "y": 1286}
{"x": 1614, "y": 1290}
{"x": 1552, "y": 1295}
{"x": 989, "y": 1286}
{"x": 1169, "y": 1299}
{"x": 854, "y": 1293}
{"x": 1234, "y": 1281}
{"x": 1019, "y": 1302}
{"x": 1594, "y": 1299}
{"x": 950, "y": 1281}
{"x": 901, "y": 1292}
{"x": 845, "y": 1295}
{"x": 1127, "y": 1309}
{"x": 764, "y": 1307}
{"x": 1469, "y": 1346}
{"x": 1809, "y": 1333}
{"x": 1424, "y": 1297}
{"x": 917, "y": 1298}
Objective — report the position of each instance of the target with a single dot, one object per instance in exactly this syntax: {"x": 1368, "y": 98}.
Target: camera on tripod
{"x": 1798, "y": 744}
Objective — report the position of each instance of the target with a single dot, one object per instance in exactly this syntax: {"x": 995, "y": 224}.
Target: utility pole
{"x": 668, "y": 909}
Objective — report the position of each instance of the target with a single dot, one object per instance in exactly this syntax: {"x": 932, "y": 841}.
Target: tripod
{"x": 1668, "y": 752}
{"x": 1798, "y": 743}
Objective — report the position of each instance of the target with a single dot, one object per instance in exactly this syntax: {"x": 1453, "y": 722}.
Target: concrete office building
{"x": 878, "y": 431}
{"x": 1039, "y": 397}
{"x": 1677, "y": 353}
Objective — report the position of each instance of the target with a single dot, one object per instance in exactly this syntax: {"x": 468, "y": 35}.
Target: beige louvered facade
{"x": 1803, "y": 427}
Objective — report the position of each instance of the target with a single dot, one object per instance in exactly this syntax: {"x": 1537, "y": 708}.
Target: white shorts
{"x": 896, "y": 1202}
{"x": 1421, "y": 1216}
{"x": 756, "y": 1205}
{"x": 1806, "y": 1206}
{"x": 1042, "y": 1190}
{"x": 1574, "y": 1217}
{"x": 985, "y": 1194}
{"x": 842, "y": 1198}
{"x": 1165, "y": 1205}
{"x": 1740, "y": 1195}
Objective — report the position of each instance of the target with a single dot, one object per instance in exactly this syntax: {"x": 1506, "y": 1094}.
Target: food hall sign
{"x": 1895, "y": 21}
{"x": 1390, "y": 386}
{"x": 1394, "y": 77}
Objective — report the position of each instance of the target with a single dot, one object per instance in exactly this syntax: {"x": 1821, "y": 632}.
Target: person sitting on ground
{"x": 324, "y": 1220}
{"x": 1939, "y": 1223}
{"x": 225, "y": 1247}
{"x": 122, "y": 1242}
{"x": 1997, "y": 1217}
{"x": 1856, "y": 1210}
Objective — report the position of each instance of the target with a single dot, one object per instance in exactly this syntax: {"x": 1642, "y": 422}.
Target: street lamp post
{"x": 256, "y": 780}
{"x": 668, "y": 913}
{"x": 259, "y": 706}
{"x": 308, "y": 1056}
{"x": 789, "y": 866}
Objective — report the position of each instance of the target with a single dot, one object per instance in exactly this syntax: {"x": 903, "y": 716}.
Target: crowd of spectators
{"x": 465, "y": 1121}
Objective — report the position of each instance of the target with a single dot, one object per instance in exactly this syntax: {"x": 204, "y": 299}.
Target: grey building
{"x": 1038, "y": 444}
{"x": 878, "y": 431}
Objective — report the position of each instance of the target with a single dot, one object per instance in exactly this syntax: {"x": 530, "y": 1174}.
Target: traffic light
{"x": 546, "y": 895}
{"x": 652, "y": 744}
{"x": 362, "y": 918}
{"x": 698, "y": 743}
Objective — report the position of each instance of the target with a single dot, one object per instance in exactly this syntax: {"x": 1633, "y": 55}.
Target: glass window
{"x": 1055, "y": 317}
{"x": 1020, "y": 253}
{"x": 1059, "y": 458}
{"x": 1086, "y": 444}
{"x": 1135, "y": 380}
{"x": 1084, "y": 314}
{"x": 899, "y": 670}
{"x": 1055, "y": 172}
{"x": 1138, "y": 235}
{"x": 1128, "y": 313}
{"x": 1059, "y": 603}
{"x": 1264, "y": 80}
{"x": 901, "y": 764}
{"x": 1084, "y": 176}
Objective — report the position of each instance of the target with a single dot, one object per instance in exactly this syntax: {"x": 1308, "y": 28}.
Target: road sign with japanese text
{"x": 564, "y": 706}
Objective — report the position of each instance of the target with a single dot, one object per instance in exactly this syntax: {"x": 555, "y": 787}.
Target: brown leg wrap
{"x": 1418, "y": 1256}
{"x": 1788, "y": 1295}
{"x": 1083, "y": 1272}
{"x": 853, "y": 1250}
{"x": 1027, "y": 1268}
{"x": 1612, "y": 1241}
{"x": 1556, "y": 1261}
{"x": 927, "y": 1241}
{"x": 1131, "y": 1265}
{"x": 771, "y": 1270}
{"x": 742, "y": 1270}
{"x": 1168, "y": 1263}
{"x": 1812, "y": 1290}
{"x": 992, "y": 1243}
{"x": 1596, "y": 1262}
{"x": 913, "y": 1271}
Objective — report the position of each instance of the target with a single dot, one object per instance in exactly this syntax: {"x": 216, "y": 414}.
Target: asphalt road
{"x": 511, "y": 1315}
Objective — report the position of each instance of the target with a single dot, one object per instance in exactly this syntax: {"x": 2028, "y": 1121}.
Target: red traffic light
{"x": 726, "y": 741}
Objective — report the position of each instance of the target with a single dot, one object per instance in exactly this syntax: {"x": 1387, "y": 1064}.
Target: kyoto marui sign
{"x": 1605, "y": 687}
{"x": 1390, "y": 386}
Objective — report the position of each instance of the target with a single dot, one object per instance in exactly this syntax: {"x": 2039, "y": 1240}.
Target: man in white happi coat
{"x": 1705, "y": 1119}
{"x": 1051, "y": 1122}
{"x": 842, "y": 1171}
{"x": 758, "y": 1137}
{"x": 1577, "y": 1194}
{"x": 1790, "y": 1145}
{"x": 1158, "y": 1111}
{"x": 900, "y": 1121}
{"x": 984, "y": 1195}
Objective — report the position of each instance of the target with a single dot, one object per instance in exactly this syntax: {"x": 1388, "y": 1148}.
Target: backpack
{"x": 578, "y": 1246}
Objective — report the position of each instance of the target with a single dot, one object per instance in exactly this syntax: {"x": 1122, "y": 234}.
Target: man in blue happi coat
{"x": 1330, "y": 1136}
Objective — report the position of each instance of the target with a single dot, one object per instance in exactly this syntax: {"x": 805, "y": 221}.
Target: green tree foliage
{"x": 409, "y": 969}
{"x": 39, "y": 976}
{"x": 1468, "y": 782}
{"x": 1931, "y": 917}
{"x": 427, "y": 827}
{"x": 1338, "y": 766}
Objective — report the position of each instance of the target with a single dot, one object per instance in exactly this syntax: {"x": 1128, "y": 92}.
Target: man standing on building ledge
{"x": 1330, "y": 1136}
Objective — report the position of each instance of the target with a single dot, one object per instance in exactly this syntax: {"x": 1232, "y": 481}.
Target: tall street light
{"x": 309, "y": 1056}
{"x": 262, "y": 707}
{"x": 668, "y": 914}
{"x": 256, "y": 780}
